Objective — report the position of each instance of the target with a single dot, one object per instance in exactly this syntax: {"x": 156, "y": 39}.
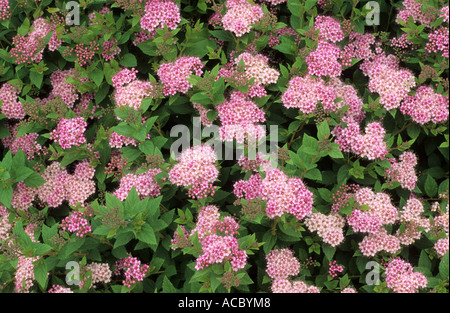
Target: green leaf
{"x": 329, "y": 251}
{"x": 444, "y": 267}
{"x": 40, "y": 273}
{"x": 431, "y": 187}
{"x": 167, "y": 286}
{"x": 97, "y": 76}
{"x": 424, "y": 260}
{"x": 36, "y": 78}
{"x": 123, "y": 239}
{"x": 129, "y": 60}
{"x": 147, "y": 235}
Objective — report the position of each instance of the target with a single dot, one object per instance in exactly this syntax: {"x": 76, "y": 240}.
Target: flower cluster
{"x": 257, "y": 67}
{"x": 174, "y": 75}
{"x": 328, "y": 227}
{"x": 426, "y": 106}
{"x": 413, "y": 8}
{"x": 334, "y": 269}
{"x": 130, "y": 91}
{"x": 401, "y": 277}
{"x": 240, "y": 15}
{"x": 69, "y": 132}
{"x": 132, "y": 268}
{"x": 196, "y": 170}
{"x": 403, "y": 171}
{"x": 160, "y": 13}
{"x": 239, "y": 118}
{"x": 144, "y": 183}
{"x": 329, "y": 28}
{"x": 10, "y": 106}
{"x": 24, "y": 276}
{"x": 324, "y": 61}
{"x": 100, "y": 273}
{"x": 76, "y": 223}
{"x": 411, "y": 216}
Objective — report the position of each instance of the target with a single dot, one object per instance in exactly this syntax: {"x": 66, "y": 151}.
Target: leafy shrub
{"x": 224, "y": 146}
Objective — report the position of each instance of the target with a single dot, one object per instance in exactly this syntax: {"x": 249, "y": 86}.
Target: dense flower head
{"x": 329, "y": 28}
{"x": 159, "y": 14}
{"x": 100, "y": 272}
{"x": 426, "y": 106}
{"x": 379, "y": 241}
{"x": 281, "y": 264}
{"x": 328, "y": 227}
{"x": 441, "y": 246}
{"x": 4, "y": 10}
{"x": 59, "y": 289}
{"x": 196, "y": 169}
{"x": 240, "y": 15}
{"x": 257, "y": 67}
{"x": 445, "y": 13}
{"x": 401, "y": 277}
{"x": 239, "y": 118}
{"x": 132, "y": 268}
{"x": 144, "y": 183}
{"x": 70, "y": 132}
{"x": 110, "y": 49}
{"x": 370, "y": 144}
{"x": 5, "y": 226}
{"x": 414, "y": 221}
{"x": 27, "y": 142}
{"x": 174, "y": 75}
{"x": 306, "y": 92}
{"x": 324, "y": 60}
{"x": 297, "y": 286}
{"x": 349, "y": 97}
{"x": 359, "y": 45}
{"x": 62, "y": 88}
{"x": 10, "y": 105}
{"x": 130, "y": 92}
{"x": 24, "y": 277}
{"x": 413, "y": 8}
{"x": 76, "y": 223}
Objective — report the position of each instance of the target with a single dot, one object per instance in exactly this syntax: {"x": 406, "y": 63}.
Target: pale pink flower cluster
{"x": 401, "y": 277}
{"x": 30, "y": 48}
{"x": 257, "y": 67}
{"x": 329, "y": 28}
{"x": 196, "y": 169}
{"x": 258, "y": 163}
{"x": 5, "y": 226}
{"x": 60, "y": 185}
{"x": 23, "y": 196}
{"x": 414, "y": 9}
{"x": 239, "y": 118}
{"x": 24, "y": 276}
{"x": 218, "y": 239}
{"x": 281, "y": 264}
{"x": 445, "y": 13}
{"x": 324, "y": 60}
{"x": 283, "y": 194}
{"x": 76, "y": 223}
{"x": 370, "y": 144}
{"x": 110, "y": 49}
{"x": 61, "y": 88}
{"x": 144, "y": 183}
{"x": 411, "y": 216}
{"x": 275, "y": 2}
{"x": 159, "y": 14}
{"x": 296, "y": 286}
{"x": 441, "y": 246}
{"x": 132, "y": 268}
{"x": 426, "y": 106}
{"x": 328, "y": 227}
{"x": 387, "y": 79}
{"x": 69, "y": 132}
{"x": 349, "y": 97}
{"x": 101, "y": 273}
{"x": 306, "y": 92}
{"x": 379, "y": 241}
{"x": 359, "y": 45}
{"x": 174, "y": 75}
{"x": 10, "y": 105}
{"x": 130, "y": 91}
{"x": 240, "y": 15}
{"x": 349, "y": 290}
{"x": 27, "y": 142}
{"x": 59, "y": 289}
{"x": 438, "y": 41}
{"x": 403, "y": 171}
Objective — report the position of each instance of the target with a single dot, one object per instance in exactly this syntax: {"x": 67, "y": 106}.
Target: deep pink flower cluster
{"x": 59, "y": 289}
{"x": 370, "y": 145}
{"x": 403, "y": 171}
{"x": 414, "y": 9}
{"x": 174, "y": 75}
{"x": 69, "y": 132}
{"x": 388, "y": 80}
{"x": 4, "y": 10}
{"x": 196, "y": 169}
{"x": 10, "y": 105}
{"x": 27, "y": 142}
{"x": 426, "y": 106}
{"x": 239, "y": 118}
{"x": 77, "y": 223}
{"x": 240, "y": 15}
{"x": 401, "y": 277}
{"x": 110, "y": 49}
{"x": 144, "y": 183}
{"x": 328, "y": 227}
{"x": 329, "y": 28}
{"x": 123, "y": 77}
{"x": 324, "y": 61}
{"x": 258, "y": 163}
{"x": 334, "y": 269}
{"x": 132, "y": 268}
{"x": 438, "y": 41}
{"x": 160, "y": 13}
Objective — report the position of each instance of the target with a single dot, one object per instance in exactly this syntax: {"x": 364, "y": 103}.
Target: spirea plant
{"x": 214, "y": 146}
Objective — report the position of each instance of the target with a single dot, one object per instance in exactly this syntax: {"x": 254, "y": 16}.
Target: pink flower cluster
{"x": 257, "y": 67}
{"x": 240, "y": 15}
{"x": 441, "y": 246}
{"x": 379, "y": 241}
{"x": 275, "y": 2}
{"x": 197, "y": 170}
{"x": 388, "y": 80}
{"x": 130, "y": 91}
{"x": 283, "y": 194}
{"x": 426, "y": 106}
{"x": 144, "y": 183}
{"x": 10, "y": 105}
{"x": 30, "y": 48}
{"x": 328, "y": 227}
{"x": 259, "y": 163}
{"x": 324, "y": 61}
{"x": 239, "y": 118}
{"x": 438, "y": 41}
{"x": 281, "y": 264}
{"x": 110, "y": 49}
{"x": 77, "y": 223}
{"x": 296, "y": 286}
{"x": 27, "y": 142}
{"x": 334, "y": 269}
{"x": 69, "y": 132}
{"x": 159, "y": 14}
{"x": 174, "y": 75}
{"x": 329, "y": 28}
{"x": 414, "y": 9}
{"x": 100, "y": 273}
{"x": 370, "y": 145}
{"x": 401, "y": 277}
{"x": 62, "y": 88}
{"x": 403, "y": 171}
{"x": 411, "y": 216}
{"x": 5, "y": 226}
{"x": 4, "y": 10}
{"x": 133, "y": 270}
{"x": 24, "y": 276}
{"x": 59, "y": 289}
